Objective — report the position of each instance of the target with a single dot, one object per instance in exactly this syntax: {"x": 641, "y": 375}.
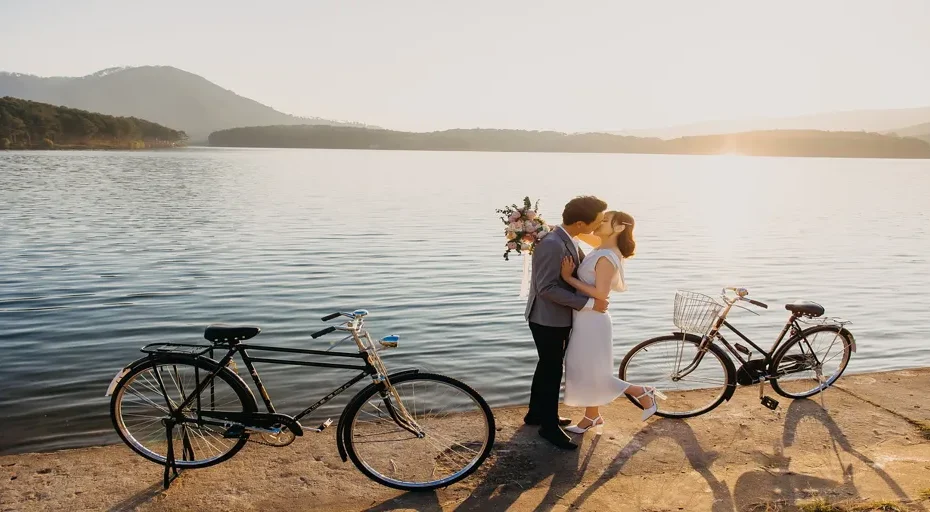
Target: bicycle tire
{"x": 206, "y": 366}
{"x": 796, "y": 340}
{"x": 729, "y": 377}
{"x": 366, "y": 394}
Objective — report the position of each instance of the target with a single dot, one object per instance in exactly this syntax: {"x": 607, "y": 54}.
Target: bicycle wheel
{"x": 138, "y": 407}
{"x": 453, "y": 432}
{"x": 811, "y": 361}
{"x": 659, "y": 362}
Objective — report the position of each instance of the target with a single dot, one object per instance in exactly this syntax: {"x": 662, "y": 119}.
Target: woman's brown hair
{"x": 625, "y": 241}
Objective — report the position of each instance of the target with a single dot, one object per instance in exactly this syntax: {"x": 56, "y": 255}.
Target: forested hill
{"x": 30, "y": 125}
{"x": 763, "y": 143}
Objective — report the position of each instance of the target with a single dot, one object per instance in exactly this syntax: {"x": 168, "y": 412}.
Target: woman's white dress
{"x": 590, "y": 374}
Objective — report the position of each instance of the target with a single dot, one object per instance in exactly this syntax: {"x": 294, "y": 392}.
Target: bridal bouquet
{"x": 523, "y": 227}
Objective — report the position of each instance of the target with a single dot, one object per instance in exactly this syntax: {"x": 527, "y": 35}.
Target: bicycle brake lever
{"x": 335, "y": 344}
{"x": 746, "y": 309}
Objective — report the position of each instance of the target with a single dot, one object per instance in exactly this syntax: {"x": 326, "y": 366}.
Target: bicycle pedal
{"x": 328, "y": 422}
{"x": 234, "y": 432}
{"x": 770, "y": 402}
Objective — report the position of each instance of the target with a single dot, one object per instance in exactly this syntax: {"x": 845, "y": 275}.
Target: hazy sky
{"x": 571, "y": 66}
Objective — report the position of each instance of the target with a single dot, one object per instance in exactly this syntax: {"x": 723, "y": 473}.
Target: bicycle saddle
{"x": 805, "y": 307}
{"x": 219, "y": 333}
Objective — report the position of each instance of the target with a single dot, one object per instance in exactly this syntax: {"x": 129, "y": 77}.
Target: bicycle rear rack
{"x": 181, "y": 349}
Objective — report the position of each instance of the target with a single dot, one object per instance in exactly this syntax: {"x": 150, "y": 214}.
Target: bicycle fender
{"x": 844, "y": 331}
{"x": 852, "y": 339}
{"x": 122, "y": 373}
{"x": 727, "y": 361}
{"x": 129, "y": 367}
{"x": 343, "y": 420}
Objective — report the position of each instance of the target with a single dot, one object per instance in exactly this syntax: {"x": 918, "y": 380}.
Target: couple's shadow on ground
{"x": 524, "y": 461}
{"x": 520, "y": 463}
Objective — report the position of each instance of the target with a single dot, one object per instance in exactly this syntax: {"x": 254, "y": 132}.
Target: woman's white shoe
{"x": 597, "y": 423}
{"x": 652, "y": 393}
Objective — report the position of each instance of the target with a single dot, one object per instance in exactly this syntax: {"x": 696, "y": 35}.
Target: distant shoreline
{"x": 775, "y": 143}
{"x": 85, "y": 147}
{"x": 576, "y": 152}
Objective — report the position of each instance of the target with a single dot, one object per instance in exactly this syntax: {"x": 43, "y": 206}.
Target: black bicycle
{"x": 696, "y": 375}
{"x": 179, "y": 407}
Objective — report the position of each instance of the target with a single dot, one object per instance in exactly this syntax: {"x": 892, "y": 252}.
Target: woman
{"x": 589, "y": 370}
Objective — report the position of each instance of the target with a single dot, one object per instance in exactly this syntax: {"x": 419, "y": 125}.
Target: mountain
{"x": 810, "y": 143}
{"x": 921, "y": 131}
{"x": 31, "y": 125}
{"x": 847, "y": 121}
{"x": 162, "y": 94}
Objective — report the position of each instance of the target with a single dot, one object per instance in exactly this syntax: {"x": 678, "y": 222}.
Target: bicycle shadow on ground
{"x": 138, "y": 499}
{"x": 521, "y": 463}
{"x": 793, "y": 486}
{"x": 682, "y": 434}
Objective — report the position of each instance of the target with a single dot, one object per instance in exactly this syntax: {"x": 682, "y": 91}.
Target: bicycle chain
{"x": 262, "y": 438}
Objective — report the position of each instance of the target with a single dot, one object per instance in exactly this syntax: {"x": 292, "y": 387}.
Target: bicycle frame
{"x": 372, "y": 365}
{"x": 791, "y": 324}
{"x": 721, "y": 321}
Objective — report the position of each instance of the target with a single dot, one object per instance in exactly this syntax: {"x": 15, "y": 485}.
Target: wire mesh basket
{"x": 695, "y": 313}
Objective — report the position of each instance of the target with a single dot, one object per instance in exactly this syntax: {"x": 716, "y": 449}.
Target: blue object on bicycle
{"x": 391, "y": 338}
{"x": 360, "y": 312}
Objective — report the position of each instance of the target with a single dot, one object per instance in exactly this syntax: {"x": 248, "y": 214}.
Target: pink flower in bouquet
{"x": 530, "y": 214}
{"x": 510, "y": 245}
{"x": 517, "y": 225}
{"x": 515, "y": 215}
{"x": 530, "y": 226}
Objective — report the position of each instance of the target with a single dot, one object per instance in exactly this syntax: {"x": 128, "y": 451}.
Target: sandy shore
{"x": 866, "y": 445}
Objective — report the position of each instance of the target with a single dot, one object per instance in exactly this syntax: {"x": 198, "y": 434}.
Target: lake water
{"x": 102, "y": 252}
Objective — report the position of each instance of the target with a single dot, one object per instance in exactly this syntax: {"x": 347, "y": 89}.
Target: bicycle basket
{"x": 695, "y": 313}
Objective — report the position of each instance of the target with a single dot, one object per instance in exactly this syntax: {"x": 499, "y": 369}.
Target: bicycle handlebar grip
{"x": 757, "y": 303}
{"x": 329, "y": 317}
{"x": 323, "y": 332}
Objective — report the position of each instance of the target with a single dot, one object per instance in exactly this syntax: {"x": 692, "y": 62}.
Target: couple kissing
{"x": 567, "y": 314}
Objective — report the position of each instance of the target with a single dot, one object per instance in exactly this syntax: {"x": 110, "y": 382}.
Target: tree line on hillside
{"x": 28, "y": 124}
{"x": 759, "y": 143}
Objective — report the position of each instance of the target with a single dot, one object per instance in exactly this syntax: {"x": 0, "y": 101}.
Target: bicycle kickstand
{"x": 823, "y": 390}
{"x": 170, "y": 461}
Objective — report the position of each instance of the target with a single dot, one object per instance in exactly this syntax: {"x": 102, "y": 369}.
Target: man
{"x": 549, "y": 313}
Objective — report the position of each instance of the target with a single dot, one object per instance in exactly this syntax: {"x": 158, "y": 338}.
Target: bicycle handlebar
{"x": 330, "y": 317}
{"x": 757, "y": 303}
{"x": 742, "y": 294}
{"x": 323, "y": 332}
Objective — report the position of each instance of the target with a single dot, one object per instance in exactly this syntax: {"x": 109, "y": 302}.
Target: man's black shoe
{"x": 557, "y": 437}
{"x": 563, "y": 422}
